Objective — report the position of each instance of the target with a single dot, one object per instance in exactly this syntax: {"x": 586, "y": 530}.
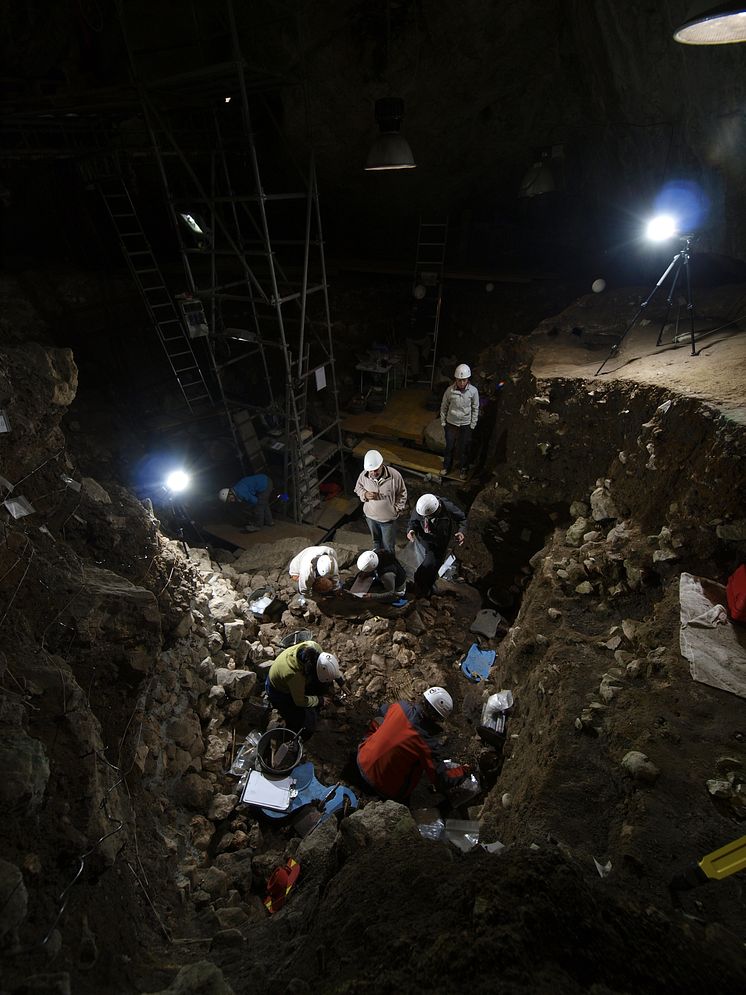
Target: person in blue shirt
{"x": 255, "y": 491}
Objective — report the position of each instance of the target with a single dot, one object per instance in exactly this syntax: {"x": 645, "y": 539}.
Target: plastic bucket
{"x": 293, "y": 638}
{"x": 270, "y": 742}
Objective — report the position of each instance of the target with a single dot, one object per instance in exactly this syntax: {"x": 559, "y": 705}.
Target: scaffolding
{"x": 427, "y": 294}
{"x": 252, "y": 309}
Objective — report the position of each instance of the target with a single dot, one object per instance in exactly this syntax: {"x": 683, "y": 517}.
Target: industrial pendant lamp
{"x": 391, "y": 149}
{"x": 721, "y": 25}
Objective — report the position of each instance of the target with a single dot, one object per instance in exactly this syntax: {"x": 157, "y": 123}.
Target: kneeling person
{"x": 297, "y": 682}
{"x": 403, "y": 746}
{"x": 388, "y": 576}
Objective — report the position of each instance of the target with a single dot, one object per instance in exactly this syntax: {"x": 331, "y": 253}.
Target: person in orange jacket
{"x": 403, "y": 746}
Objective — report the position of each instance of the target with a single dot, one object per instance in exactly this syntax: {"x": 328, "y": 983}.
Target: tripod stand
{"x": 679, "y": 262}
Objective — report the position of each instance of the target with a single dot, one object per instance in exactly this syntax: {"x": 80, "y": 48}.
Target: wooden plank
{"x": 331, "y": 511}
{"x": 401, "y": 456}
{"x": 281, "y": 530}
{"x": 405, "y": 417}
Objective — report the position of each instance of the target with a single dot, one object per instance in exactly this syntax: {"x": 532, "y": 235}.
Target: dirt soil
{"x": 131, "y": 671}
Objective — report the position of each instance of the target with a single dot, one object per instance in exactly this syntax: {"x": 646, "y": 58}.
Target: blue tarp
{"x": 476, "y": 664}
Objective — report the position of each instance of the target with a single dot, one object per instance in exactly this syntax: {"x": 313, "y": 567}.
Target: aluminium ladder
{"x": 160, "y": 305}
{"x": 432, "y": 238}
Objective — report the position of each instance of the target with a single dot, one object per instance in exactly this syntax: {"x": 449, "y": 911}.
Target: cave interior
{"x": 245, "y": 239}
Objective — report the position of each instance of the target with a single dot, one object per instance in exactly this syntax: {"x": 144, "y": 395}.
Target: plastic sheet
{"x": 246, "y": 757}
{"x": 463, "y": 833}
{"x": 19, "y": 506}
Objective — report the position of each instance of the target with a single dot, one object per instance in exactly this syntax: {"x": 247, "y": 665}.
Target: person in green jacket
{"x": 298, "y": 680}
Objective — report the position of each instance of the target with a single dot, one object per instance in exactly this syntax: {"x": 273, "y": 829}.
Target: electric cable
{"x": 18, "y": 587}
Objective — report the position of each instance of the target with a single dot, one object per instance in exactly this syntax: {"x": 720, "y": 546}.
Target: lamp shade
{"x": 724, "y": 24}
{"x": 391, "y": 149}
{"x": 538, "y": 180}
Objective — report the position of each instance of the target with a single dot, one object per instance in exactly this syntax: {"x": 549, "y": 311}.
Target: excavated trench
{"x": 519, "y": 530}
{"x": 133, "y": 671}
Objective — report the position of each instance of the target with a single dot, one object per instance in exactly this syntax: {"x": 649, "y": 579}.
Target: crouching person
{"x": 389, "y": 579}
{"x": 297, "y": 682}
{"x": 316, "y": 570}
{"x": 403, "y": 746}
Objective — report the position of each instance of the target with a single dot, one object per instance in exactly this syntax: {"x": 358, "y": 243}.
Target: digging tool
{"x": 283, "y": 749}
{"x": 715, "y": 866}
{"x": 305, "y": 824}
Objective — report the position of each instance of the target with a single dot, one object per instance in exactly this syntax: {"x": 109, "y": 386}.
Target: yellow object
{"x": 726, "y": 861}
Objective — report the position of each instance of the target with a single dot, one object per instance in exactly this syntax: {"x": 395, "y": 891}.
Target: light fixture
{"x": 661, "y": 227}
{"x": 724, "y": 24}
{"x": 177, "y": 481}
{"x": 391, "y": 149}
{"x": 191, "y": 222}
{"x": 541, "y": 177}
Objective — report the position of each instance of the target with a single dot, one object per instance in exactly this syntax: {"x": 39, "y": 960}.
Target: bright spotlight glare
{"x": 177, "y": 481}
{"x": 661, "y": 227}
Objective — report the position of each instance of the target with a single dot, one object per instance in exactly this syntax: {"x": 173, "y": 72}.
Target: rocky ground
{"x": 131, "y": 671}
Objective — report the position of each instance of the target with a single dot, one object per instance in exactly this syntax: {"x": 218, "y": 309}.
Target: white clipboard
{"x": 274, "y": 794}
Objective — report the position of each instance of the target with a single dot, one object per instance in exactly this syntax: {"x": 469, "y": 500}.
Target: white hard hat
{"x": 462, "y": 372}
{"x": 327, "y": 668}
{"x": 440, "y": 700}
{"x": 427, "y": 505}
{"x": 372, "y": 459}
{"x": 367, "y": 561}
{"x": 223, "y": 495}
{"x": 324, "y": 565}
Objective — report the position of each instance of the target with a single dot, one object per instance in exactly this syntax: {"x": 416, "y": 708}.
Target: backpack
{"x": 736, "y": 593}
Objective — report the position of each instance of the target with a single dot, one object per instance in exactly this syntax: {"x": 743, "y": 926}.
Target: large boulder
{"x": 116, "y": 620}
{"x": 378, "y": 823}
{"x": 24, "y": 772}
{"x": 200, "y": 978}
{"x": 237, "y": 683}
{"x": 13, "y": 899}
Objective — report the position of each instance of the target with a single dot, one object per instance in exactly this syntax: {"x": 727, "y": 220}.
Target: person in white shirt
{"x": 459, "y": 412}
{"x": 383, "y": 494}
{"x": 316, "y": 570}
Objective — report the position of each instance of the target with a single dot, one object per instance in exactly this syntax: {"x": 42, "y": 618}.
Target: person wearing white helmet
{"x": 383, "y": 495}
{"x": 403, "y": 744}
{"x": 297, "y": 682}
{"x": 432, "y": 524}
{"x": 254, "y": 491}
{"x": 459, "y": 413}
{"x": 388, "y": 577}
{"x": 316, "y": 570}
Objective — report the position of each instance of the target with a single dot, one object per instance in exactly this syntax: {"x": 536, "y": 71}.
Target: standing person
{"x": 388, "y": 575}
{"x": 459, "y": 412}
{"x": 255, "y": 491}
{"x": 383, "y": 494}
{"x": 431, "y": 525}
{"x": 313, "y": 565}
{"x": 403, "y": 746}
{"x": 297, "y": 682}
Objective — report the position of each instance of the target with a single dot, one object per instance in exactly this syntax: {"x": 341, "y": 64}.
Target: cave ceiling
{"x": 486, "y": 86}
